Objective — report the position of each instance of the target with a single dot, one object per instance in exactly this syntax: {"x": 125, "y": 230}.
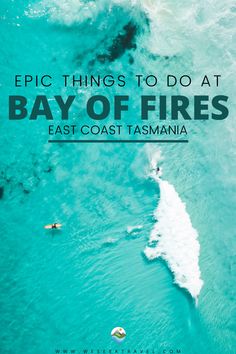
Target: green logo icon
{"x": 118, "y": 334}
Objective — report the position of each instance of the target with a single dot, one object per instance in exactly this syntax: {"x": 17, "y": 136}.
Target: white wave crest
{"x": 134, "y": 229}
{"x": 174, "y": 238}
{"x": 174, "y": 27}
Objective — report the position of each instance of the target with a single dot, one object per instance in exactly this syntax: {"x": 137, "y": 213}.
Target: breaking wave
{"x": 174, "y": 27}
{"x": 174, "y": 238}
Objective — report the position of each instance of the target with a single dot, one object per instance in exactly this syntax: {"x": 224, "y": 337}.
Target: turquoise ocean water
{"x": 71, "y": 288}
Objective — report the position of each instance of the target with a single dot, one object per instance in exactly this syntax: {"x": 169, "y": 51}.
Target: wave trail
{"x": 174, "y": 238}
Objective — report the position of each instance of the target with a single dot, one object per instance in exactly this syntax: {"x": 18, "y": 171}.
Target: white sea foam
{"x": 174, "y": 238}
{"x": 134, "y": 229}
{"x": 110, "y": 240}
{"x": 70, "y": 12}
{"x": 175, "y": 28}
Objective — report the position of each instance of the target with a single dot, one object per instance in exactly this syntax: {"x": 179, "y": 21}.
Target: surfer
{"x": 54, "y": 226}
{"x": 158, "y": 171}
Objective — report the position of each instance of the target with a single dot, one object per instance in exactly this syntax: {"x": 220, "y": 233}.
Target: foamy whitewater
{"x": 70, "y": 12}
{"x": 173, "y": 237}
{"x": 174, "y": 27}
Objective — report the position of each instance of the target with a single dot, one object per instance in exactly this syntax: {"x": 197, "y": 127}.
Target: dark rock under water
{"x": 1, "y": 192}
{"x": 123, "y": 42}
